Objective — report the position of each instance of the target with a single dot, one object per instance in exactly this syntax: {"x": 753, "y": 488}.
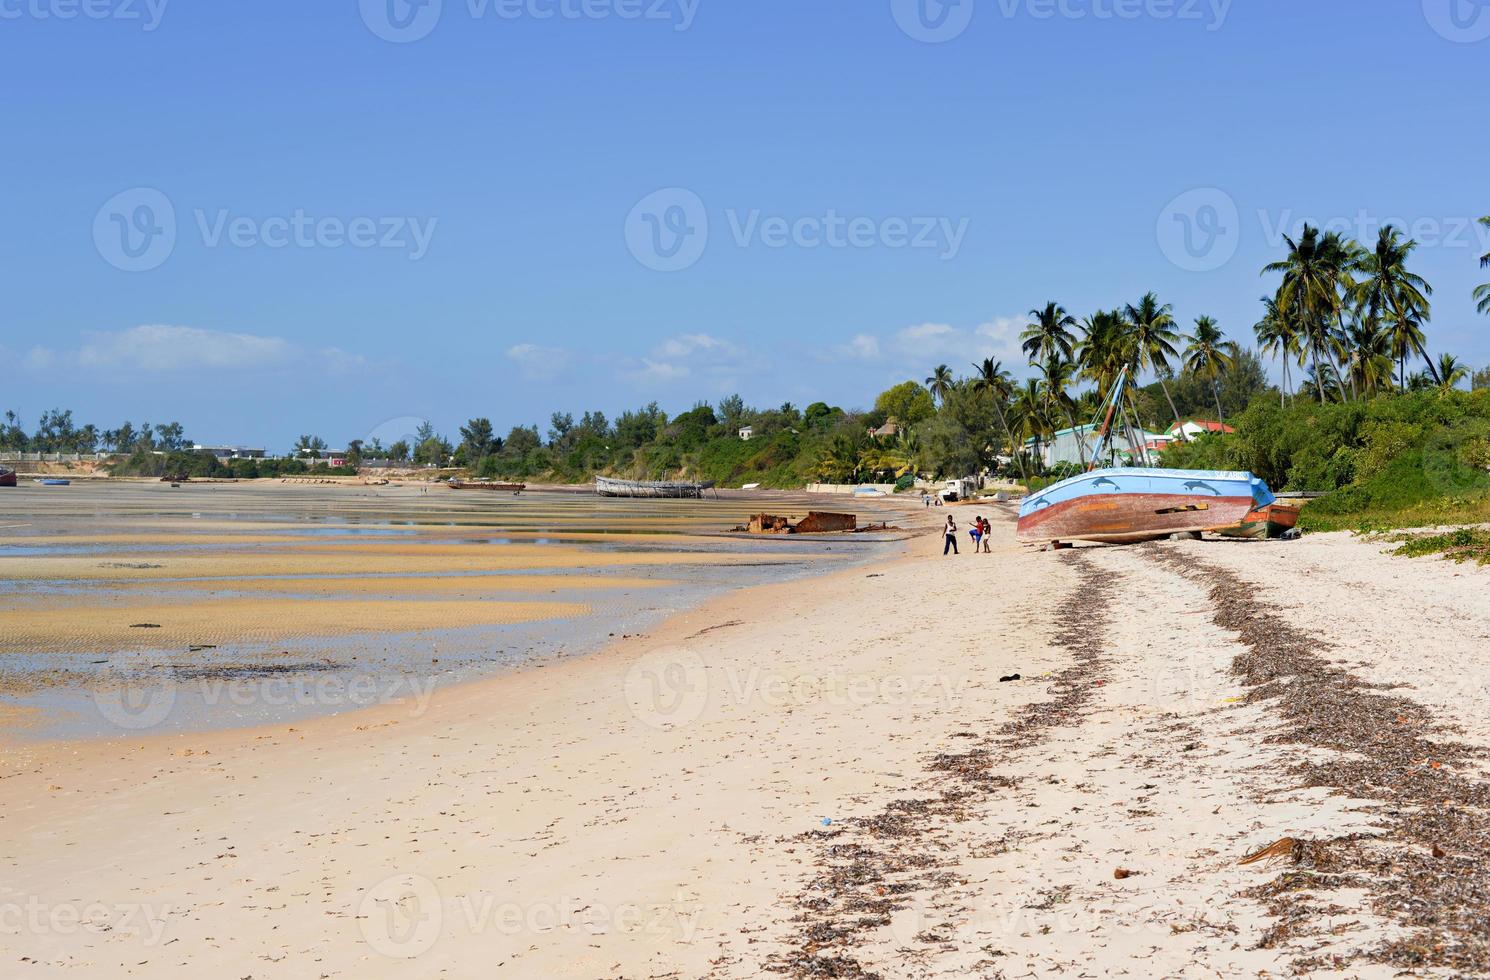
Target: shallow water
{"x": 98, "y": 548}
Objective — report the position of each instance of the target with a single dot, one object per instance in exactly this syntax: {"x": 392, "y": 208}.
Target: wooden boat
{"x": 1130, "y": 504}
{"x": 7, "y": 477}
{"x": 1272, "y": 521}
{"x": 608, "y": 487}
{"x": 55, "y": 483}
{"x": 484, "y": 485}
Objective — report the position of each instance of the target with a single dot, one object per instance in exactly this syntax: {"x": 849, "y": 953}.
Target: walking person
{"x": 949, "y": 535}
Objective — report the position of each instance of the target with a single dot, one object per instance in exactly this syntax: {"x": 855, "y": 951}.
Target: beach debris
{"x": 1121, "y": 873}
{"x": 816, "y": 522}
{"x": 144, "y": 626}
{"x": 1011, "y": 677}
{"x": 827, "y": 821}
{"x": 194, "y": 647}
{"x": 1282, "y": 848}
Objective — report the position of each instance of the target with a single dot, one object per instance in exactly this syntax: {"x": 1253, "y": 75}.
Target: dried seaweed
{"x": 898, "y": 852}
{"x": 1426, "y": 869}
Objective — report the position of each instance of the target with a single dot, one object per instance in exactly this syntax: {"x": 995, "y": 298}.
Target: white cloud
{"x": 164, "y": 349}
{"x": 710, "y": 361}
{"x": 864, "y": 347}
{"x": 694, "y": 344}
{"x": 539, "y": 363}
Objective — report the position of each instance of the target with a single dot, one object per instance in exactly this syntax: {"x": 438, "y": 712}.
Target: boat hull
{"x": 607, "y": 487}
{"x": 1272, "y": 521}
{"x": 504, "y": 487}
{"x": 1125, "y": 506}
{"x": 7, "y": 477}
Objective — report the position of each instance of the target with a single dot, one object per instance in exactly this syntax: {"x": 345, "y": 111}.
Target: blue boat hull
{"x": 1133, "y": 504}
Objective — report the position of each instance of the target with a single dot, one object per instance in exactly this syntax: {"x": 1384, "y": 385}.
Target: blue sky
{"x": 503, "y": 213}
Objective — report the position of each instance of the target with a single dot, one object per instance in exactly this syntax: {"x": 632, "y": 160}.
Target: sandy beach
{"x": 832, "y": 781}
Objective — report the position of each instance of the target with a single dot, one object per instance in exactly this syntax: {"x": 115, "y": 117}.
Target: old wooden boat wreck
{"x": 486, "y": 485}
{"x": 1271, "y": 521}
{"x": 1129, "y": 504}
{"x": 7, "y": 477}
{"x": 609, "y": 487}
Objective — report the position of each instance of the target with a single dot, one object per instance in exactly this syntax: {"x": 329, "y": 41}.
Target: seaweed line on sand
{"x": 870, "y": 867}
{"x": 1426, "y": 870}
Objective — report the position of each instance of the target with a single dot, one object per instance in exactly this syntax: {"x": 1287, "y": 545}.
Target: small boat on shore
{"x": 1263, "y": 523}
{"x": 607, "y": 487}
{"x": 485, "y": 485}
{"x": 7, "y": 477}
{"x": 1125, "y": 505}
{"x": 55, "y": 483}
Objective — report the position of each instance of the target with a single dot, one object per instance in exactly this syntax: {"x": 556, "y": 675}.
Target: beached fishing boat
{"x": 484, "y": 485}
{"x": 55, "y": 483}
{"x": 1130, "y": 504}
{"x": 608, "y": 487}
{"x": 1272, "y": 521}
{"x": 7, "y": 477}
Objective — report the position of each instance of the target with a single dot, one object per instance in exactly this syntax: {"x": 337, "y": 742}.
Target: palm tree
{"x": 1029, "y": 413}
{"x": 1153, "y": 338}
{"x": 1483, "y": 292}
{"x": 1371, "y": 361}
{"x": 940, "y": 383}
{"x": 1049, "y": 335}
{"x": 993, "y": 379}
{"x": 1105, "y": 350}
{"x": 1450, "y": 372}
{"x": 1208, "y": 355}
{"x": 1388, "y": 288}
{"x": 1315, "y": 272}
{"x": 1276, "y": 336}
{"x": 1057, "y": 374}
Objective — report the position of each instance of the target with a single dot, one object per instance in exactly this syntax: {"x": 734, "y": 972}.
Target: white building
{"x": 747, "y": 433}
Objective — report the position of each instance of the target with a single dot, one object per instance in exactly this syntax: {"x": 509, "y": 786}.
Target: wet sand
{"x": 833, "y": 781}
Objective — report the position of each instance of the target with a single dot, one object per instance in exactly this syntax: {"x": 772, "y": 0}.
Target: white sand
{"x": 641, "y": 812}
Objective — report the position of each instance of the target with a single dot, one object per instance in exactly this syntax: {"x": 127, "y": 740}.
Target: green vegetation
{"x": 1460, "y": 545}
{"x": 1389, "y": 447}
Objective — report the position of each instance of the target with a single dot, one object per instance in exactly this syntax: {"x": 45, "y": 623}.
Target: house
{"x": 747, "y": 433}
{"x": 231, "y": 452}
{"x": 1195, "y": 428}
{"x": 1074, "y": 445}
